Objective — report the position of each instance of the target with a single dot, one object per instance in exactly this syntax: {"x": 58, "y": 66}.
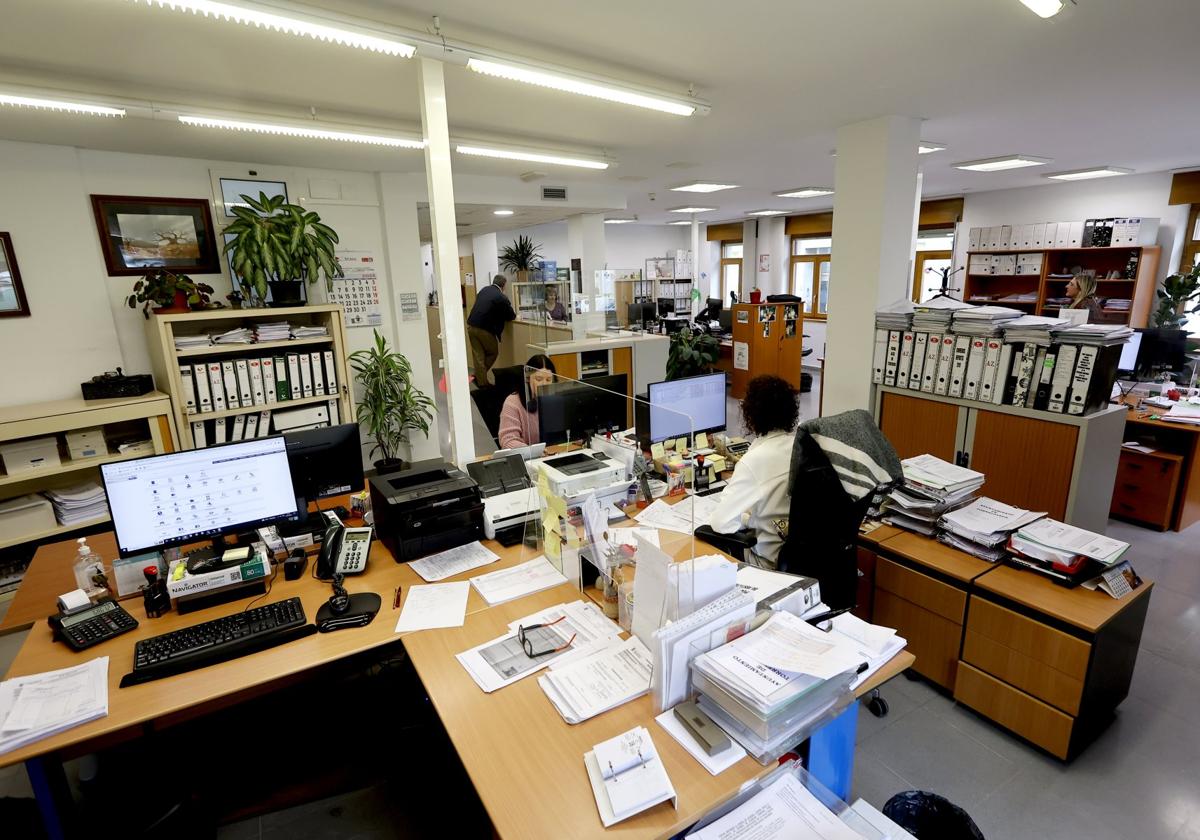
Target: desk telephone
{"x": 344, "y": 551}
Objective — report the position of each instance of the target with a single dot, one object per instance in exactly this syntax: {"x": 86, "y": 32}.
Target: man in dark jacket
{"x": 485, "y": 325}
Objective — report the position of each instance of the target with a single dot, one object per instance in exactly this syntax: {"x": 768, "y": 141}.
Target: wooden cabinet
{"x": 1059, "y": 463}
{"x": 773, "y": 340}
{"x": 1146, "y": 487}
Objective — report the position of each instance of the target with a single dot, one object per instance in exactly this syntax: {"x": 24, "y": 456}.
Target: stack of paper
{"x": 684, "y": 516}
{"x": 875, "y": 644}
{"x": 517, "y": 581}
{"x": 583, "y": 688}
{"x": 935, "y": 315}
{"x": 1067, "y": 554}
{"x": 1100, "y": 335}
{"x": 982, "y": 527}
{"x": 78, "y": 503}
{"x": 41, "y": 705}
{"x": 274, "y": 331}
{"x": 784, "y": 809}
{"x": 931, "y": 488}
{"x": 675, "y": 645}
{"x": 983, "y": 320}
{"x": 1183, "y": 412}
{"x": 237, "y": 335}
{"x": 1033, "y": 329}
{"x": 1121, "y": 305}
{"x": 895, "y": 316}
{"x": 307, "y": 331}
{"x": 186, "y": 342}
{"x": 453, "y": 561}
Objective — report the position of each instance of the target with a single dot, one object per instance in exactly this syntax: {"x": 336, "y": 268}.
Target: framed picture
{"x": 137, "y": 234}
{"x": 13, "y": 303}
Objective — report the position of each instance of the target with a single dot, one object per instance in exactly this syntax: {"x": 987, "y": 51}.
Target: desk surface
{"x": 936, "y": 555}
{"x": 1148, "y": 417}
{"x": 1085, "y": 608}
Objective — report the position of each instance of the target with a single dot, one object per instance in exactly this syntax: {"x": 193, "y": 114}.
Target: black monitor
{"x": 325, "y": 462}
{"x": 712, "y": 309}
{"x": 568, "y": 410}
{"x": 726, "y": 320}
{"x": 684, "y": 407}
{"x": 666, "y": 306}
{"x": 641, "y": 313}
{"x": 183, "y": 497}
{"x": 1162, "y": 350}
{"x": 1127, "y": 366}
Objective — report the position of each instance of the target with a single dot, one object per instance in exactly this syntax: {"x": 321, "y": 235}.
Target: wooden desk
{"x": 1180, "y": 439}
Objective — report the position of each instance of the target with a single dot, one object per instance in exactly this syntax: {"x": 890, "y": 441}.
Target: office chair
{"x": 490, "y": 400}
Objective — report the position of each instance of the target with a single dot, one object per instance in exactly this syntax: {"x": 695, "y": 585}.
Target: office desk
{"x": 1175, "y": 440}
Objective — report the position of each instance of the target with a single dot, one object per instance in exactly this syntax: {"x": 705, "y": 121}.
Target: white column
{"x": 440, "y": 182}
{"x": 916, "y": 232}
{"x": 874, "y": 181}
{"x": 749, "y": 259}
{"x": 487, "y": 261}
{"x": 772, "y": 241}
{"x": 585, "y": 242}
{"x": 697, "y": 262}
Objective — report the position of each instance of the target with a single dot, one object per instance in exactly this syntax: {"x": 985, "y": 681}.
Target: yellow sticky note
{"x": 552, "y": 548}
{"x": 543, "y": 480}
{"x": 572, "y": 536}
{"x": 557, "y": 504}
{"x": 657, "y": 451}
{"x": 550, "y": 522}
{"x": 702, "y": 440}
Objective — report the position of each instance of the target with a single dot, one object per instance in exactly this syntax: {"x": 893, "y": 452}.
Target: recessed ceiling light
{"x": 530, "y": 157}
{"x": 1044, "y": 8}
{"x": 998, "y": 164}
{"x": 690, "y": 209}
{"x": 927, "y": 147}
{"x": 680, "y": 222}
{"x": 46, "y": 104}
{"x": 702, "y": 187}
{"x": 502, "y": 212}
{"x": 1094, "y": 172}
{"x": 804, "y": 192}
{"x": 625, "y": 221}
{"x": 765, "y": 212}
{"x": 309, "y": 131}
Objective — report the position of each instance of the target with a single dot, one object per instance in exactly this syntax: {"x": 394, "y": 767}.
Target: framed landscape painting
{"x": 138, "y": 234}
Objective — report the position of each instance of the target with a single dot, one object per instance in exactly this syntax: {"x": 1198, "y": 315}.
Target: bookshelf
{"x": 162, "y": 330}
{"x": 1053, "y": 272}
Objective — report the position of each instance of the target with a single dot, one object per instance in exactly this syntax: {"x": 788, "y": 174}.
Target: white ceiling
{"x": 477, "y": 219}
{"x": 1105, "y": 82}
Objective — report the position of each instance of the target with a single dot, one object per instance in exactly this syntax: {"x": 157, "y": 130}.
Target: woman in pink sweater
{"x": 518, "y": 417}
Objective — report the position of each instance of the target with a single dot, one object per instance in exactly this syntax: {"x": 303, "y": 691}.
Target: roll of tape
{"x": 73, "y": 600}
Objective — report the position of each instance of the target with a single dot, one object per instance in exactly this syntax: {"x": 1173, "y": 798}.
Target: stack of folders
{"x": 309, "y": 331}
{"x": 188, "y": 342}
{"x": 982, "y": 528}
{"x": 891, "y": 322}
{"x": 273, "y": 331}
{"x": 674, "y": 645}
{"x": 931, "y": 488}
{"x": 770, "y": 687}
{"x": 1065, "y": 554}
{"x": 237, "y": 335}
{"x": 1184, "y": 411}
{"x": 82, "y": 502}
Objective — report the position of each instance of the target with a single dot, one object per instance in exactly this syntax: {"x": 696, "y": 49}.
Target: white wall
{"x": 629, "y": 246}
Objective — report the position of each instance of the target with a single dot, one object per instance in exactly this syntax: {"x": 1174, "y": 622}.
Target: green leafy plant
{"x": 1178, "y": 290}
{"x": 273, "y": 240}
{"x": 691, "y": 354}
{"x": 522, "y": 255}
{"x": 390, "y": 406}
{"x": 158, "y": 288}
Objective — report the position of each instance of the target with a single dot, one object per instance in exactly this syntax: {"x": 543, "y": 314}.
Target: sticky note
{"x": 557, "y": 504}
{"x": 552, "y": 547}
{"x": 702, "y": 440}
{"x": 572, "y": 536}
{"x": 543, "y": 480}
{"x": 550, "y": 522}
{"x": 657, "y": 451}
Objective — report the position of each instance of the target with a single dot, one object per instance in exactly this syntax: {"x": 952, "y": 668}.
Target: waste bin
{"x": 928, "y": 816}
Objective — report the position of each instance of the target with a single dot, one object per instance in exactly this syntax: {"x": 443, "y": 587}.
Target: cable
{"x": 270, "y": 583}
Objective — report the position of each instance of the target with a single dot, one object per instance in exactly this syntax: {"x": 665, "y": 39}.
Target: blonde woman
{"x": 1082, "y": 291}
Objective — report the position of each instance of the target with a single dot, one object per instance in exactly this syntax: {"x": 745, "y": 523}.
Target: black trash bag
{"x": 928, "y": 816}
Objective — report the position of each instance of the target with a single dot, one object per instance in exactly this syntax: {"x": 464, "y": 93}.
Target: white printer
{"x": 573, "y": 473}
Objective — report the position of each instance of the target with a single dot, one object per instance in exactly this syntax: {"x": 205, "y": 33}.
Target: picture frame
{"x": 13, "y": 302}
{"x": 139, "y": 233}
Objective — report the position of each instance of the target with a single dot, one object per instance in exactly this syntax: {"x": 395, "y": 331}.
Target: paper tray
{"x": 780, "y": 700}
{"x": 767, "y": 751}
{"x": 781, "y": 719}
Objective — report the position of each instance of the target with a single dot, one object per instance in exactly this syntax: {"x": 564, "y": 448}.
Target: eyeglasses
{"x": 527, "y": 642}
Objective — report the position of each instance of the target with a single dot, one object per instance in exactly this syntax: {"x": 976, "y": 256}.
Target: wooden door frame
{"x": 919, "y": 268}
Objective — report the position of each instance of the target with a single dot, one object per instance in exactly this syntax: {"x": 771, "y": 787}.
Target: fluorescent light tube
{"x": 308, "y": 132}
{"x": 294, "y": 20}
{"x": 690, "y": 209}
{"x": 47, "y": 104}
{"x": 702, "y": 187}
{"x": 620, "y": 221}
{"x": 1044, "y": 8}
{"x": 680, "y": 222}
{"x": 765, "y": 212}
{"x": 926, "y": 147}
{"x": 1094, "y": 172}
{"x": 582, "y": 86}
{"x": 998, "y": 164}
{"x": 532, "y": 157}
{"x": 502, "y": 212}
{"x": 804, "y": 192}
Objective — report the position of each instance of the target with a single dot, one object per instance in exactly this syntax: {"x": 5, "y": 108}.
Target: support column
{"x": 585, "y": 242}
{"x": 749, "y": 259}
{"x": 440, "y": 181}
{"x": 696, "y": 304}
{"x": 487, "y": 260}
{"x": 874, "y": 182}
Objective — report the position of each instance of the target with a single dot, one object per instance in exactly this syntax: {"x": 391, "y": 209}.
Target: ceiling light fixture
{"x": 765, "y": 212}
{"x": 804, "y": 192}
{"x": 625, "y": 221}
{"x": 45, "y": 104}
{"x": 599, "y": 89}
{"x": 998, "y": 164}
{"x": 1044, "y": 8}
{"x": 680, "y": 222}
{"x": 1094, "y": 172}
{"x": 296, "y": 20}
{"x": 702, "y": 187}
{"x": 926, "y": 147}
{"x": 502, "y": 212}
{"x": 690, "y": 209}
{"x": 310, "y": 132}
{"x": 531, "y": 157}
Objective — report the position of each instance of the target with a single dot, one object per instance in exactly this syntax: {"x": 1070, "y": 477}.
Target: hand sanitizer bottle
{"x": 89, "y": 571}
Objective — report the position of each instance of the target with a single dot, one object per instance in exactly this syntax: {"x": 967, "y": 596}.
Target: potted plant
{"x": 167, "y": 292}
{"x": 390, "y": 406}
{"x": 691, "y": 354}
{"x": 1177, "y": 292}
{"x": 521, "y": 257}
{"x": 280, "y": 245}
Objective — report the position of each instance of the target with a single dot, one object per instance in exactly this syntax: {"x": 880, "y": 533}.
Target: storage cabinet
{"x": 772, "y": 336}
{"x": 1146, "y": 487}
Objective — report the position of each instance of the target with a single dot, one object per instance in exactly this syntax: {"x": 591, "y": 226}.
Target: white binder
{"x": 1081, "y": 382}
{"x": 1060, "y": 382}
{"x": 264, "y": 423}
{"x": 958, "y": 368}
{"x": 907, "y": 346}
{"x": 251, "y": 427}
{"x": 920, "y": 341}
{"x": 1003, "y": 366}
{"x": 219, "y": 430}
{"x": 256, "y": 381}
{"x": 974, "y": 368}
{"x": 318, "y": 375}
{"x": 245, "y": 390}
{"x": 293, "y": 374}
{"x": 331, "y": 379}
{"x": 204, "y": 401}
{"x": 199, "y": 439}
{"x": 880, "y": 359}
{"x": 188, "y": 389}
{"x": 229, "y": 377}
{"x": 217, "y": 383}
{"x": 893, "y": 357}
{"x": 268, "y": 379}
{"x": 334, "y": 414}
{"x": 991, "y": 360}
{"x": 933, "y": 353}
{"x": 941, "y": 383}
{"x": 237, "y": 428}
{"x": 306, "y": 377}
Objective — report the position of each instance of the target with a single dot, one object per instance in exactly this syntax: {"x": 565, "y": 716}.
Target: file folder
{"x": 229, "y": 378}
{"x": 1060, "y": 383}
{"x": 217, "y": 384}
{"x": 204, "y": 400}
{"x": 918, "y": 361}
{"x": 958, "y": 369}
{"x": 188, "y": 389}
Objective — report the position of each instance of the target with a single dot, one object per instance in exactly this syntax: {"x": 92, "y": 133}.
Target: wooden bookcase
{"x": 988, "y": 288}
{"x": 778, "y": 352}
{"x": 161, "y": 331}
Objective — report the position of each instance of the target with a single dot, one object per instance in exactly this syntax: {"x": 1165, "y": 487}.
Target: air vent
{"x": 554, "y": 193}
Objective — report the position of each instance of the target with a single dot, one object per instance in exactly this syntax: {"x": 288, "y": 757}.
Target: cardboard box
{"x": 188, "y": 584}
{"x": 87, "y": 443}
{"x": 30, "y": 454}
{"x": 26, "y": 515}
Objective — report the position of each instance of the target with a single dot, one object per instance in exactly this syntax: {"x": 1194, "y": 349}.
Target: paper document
{"x": 586, "y": 687}
{"x": 628, "y": 536}
{"x": 1060, "y": 535}
{"x": 714, "y": 764}
{"x": 41, "y": 705}
{"x": 872, "y": 637}
{"x": 784, "y": 810}
{"x": 683, "y": 516}
{"x": 453, "y": 561}
{"x": 518, "y": 581}
{"x": 435, "y": 605}
{"x": 987, "y": 516}
{"x": 792, "y": 645}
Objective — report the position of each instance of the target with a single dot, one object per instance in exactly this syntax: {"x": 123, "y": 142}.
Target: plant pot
{"x": 523, "y": 276}
{"x": 756, "y": 296}
{"x": 389, "y": 465}
{"x": 287, "y": 292}
{"x": 179, "y": 304}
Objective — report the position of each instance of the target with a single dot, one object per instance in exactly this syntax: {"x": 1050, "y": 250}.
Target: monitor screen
{"x": 1129, "y": 354}
{"x": 568, "y": 409}
{"x": 1161, "y": 350}
{"x": 183, "y": 497}
{"x": 698, "y": 399}
{"x": 325, "y": 462}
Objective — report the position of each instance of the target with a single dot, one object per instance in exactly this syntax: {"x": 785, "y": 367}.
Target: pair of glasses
{"x": 527, "y": 642}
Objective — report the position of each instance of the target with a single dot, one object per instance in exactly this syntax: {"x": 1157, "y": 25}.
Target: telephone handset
{"x": 344, "y": 551}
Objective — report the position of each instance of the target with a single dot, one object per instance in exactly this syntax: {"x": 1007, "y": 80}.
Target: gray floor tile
{"x": 1022, "y": 810}
{"x": 899, "y": 705}
{"x": 876, "y": 783}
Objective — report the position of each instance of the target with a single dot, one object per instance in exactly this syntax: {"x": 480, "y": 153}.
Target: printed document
{"x": 794, "y": 646}
{"x": 586, "y": 687}
{"x": 987, "y": 516}
{"x": 518, "y": 581}
{"x": 453, "y": 561}
{"x": 1060, "y": 535}
{"x": 784, "y": 810}
{"x": 683, "y": 516}
{"x": 434, "y": 605}
{"x": 41, "y": 705}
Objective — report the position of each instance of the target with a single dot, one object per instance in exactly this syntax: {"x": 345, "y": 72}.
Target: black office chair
{"x": 490, "y": 399}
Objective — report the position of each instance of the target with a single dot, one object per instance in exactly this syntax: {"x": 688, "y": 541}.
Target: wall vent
{"x": 554, "y": 193}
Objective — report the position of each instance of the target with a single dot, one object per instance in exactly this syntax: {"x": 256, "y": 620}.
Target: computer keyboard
{"x": 218, "y": 640}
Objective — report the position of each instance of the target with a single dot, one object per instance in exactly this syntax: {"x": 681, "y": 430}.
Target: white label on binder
{"x": 958, "y": 368}
{"x": 189, "y": 389}
{"x": 907, "y": 347}
{"x": 920, "y": 340}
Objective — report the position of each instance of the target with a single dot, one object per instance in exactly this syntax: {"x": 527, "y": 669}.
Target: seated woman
{"x": 518, "y": 416}
{"x": 1082, "y": 291}
{"x": 757, "y": 494}
{"x": 554, "y": 309}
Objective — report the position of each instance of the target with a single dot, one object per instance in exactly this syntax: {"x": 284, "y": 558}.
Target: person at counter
{"x": 553, "y": 308}
{"x": 518, "y": 416}
{"x": 758, "y": 490}
{"x": 485, "y": 325}
{"x": 1082, "y": 292}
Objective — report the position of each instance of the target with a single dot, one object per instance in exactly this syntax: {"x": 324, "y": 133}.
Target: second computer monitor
{"x": 325, "y": 462}
{"x": 683, "y": 407}
{"x": 567, "y": 410}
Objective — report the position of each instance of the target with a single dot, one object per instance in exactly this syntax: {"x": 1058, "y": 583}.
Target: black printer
{"x": 427, "y": 508}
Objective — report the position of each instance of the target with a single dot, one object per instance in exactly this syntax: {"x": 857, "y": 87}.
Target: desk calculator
{"x": 92, "y": 625}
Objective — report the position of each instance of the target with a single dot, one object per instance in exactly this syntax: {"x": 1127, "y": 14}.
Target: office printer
{"x": 573, "y": 473}
{"x": 510, "y": 500}
{"x": 427, "y": 508}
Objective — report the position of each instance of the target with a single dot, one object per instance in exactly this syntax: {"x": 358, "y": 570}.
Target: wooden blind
{"x": 1185, "y": 188}
{"x": 812, "y": 224}
{"x": 935, "y": 213}
{"x": 730, "y": 232}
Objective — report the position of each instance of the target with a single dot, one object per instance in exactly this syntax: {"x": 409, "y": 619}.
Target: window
{"x": 731, "y": 270}
{"x": 810, "y": 263}
{"x": 1189, "y": 258}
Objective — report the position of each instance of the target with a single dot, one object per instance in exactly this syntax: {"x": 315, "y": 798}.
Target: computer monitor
{"x": 183, "y": 497}
{"x": 666, "y": 306}
{"x": 1127, "y": 366}
{"x": 712, "y": 309}
{"x": 683, "y": 407}
{"x": 567, "y": 410}
{"x": 325, "y": 462}
{"x": 641, "y": 313}
{"x": 1162, "y": 350}
{"x": 726, "y": 320}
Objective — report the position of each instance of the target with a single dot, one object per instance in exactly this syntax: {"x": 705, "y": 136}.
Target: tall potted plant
{"x": 521, "y": 257}
{"x": 691, "y": 354}
{"x": 390, "y": 405}
{"x": 167, "y": 291}
{"x": 1177, "y": 292}
{"x": 280, "y": 245}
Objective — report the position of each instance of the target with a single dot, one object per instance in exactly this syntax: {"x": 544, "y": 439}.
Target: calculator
{"x": 92, "y": 625}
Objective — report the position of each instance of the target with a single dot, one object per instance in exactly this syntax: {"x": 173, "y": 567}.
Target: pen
{"x": 825, "y": 616}
{"x": 396, "y": 600}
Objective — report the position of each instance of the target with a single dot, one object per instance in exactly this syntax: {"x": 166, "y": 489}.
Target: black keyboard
{"x": 218, "y": 640}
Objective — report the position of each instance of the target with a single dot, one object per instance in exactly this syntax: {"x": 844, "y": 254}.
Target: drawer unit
{"x": 1023, "y": 671}
{"x": 1031, "y": 638}
{"x": 924, "y": 591}
{"x": 1146, "y": 487}
{"x": 932, "y": 638}
{"x": 1015, "y": 710}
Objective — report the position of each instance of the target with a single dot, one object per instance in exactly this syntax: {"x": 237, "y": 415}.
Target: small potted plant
{"x": 1176, "y": 293}
{"x": 168, "y": 292}
{"x": 520, "y": 257}
{"x": 390, "y": 405}
{"x": 235, "y": 299}
{"x": 691, "y": 354}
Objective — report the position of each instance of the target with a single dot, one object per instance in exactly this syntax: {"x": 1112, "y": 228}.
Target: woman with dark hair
{"x": 518, "y": 416}
{"x": 757, "y": 494}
